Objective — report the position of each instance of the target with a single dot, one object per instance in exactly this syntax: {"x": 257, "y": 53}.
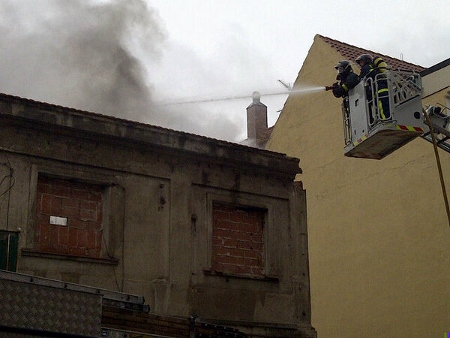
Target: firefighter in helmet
{"x": 346, "y": 77}
{"x": 376, "y": 85}
{"x": 347, "y": 80}
{"x": 365, "y": 61}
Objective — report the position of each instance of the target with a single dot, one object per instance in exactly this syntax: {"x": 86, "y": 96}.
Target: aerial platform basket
{"x": 369, "y": 134}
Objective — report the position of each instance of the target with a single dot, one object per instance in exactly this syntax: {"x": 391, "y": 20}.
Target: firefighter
{"x": 365, "y": 61}
{"x": 347, "y": 80}
{"x": 346, "y": 77}
{"x": 377, "y": 84}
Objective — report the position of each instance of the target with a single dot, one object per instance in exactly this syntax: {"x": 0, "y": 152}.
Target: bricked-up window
{"x": 237, "y": 240}
{"x": 68, "y": 217}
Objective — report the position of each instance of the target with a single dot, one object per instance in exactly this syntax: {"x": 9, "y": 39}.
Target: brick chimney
{"x": 256, "y": 120}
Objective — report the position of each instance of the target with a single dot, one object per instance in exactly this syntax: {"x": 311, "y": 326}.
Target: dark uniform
{"x": 368, "y": 69}
{"x": 347, "y": 79}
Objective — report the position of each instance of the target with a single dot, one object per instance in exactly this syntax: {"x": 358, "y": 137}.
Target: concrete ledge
{"x": 210, "y": 272}
{"x": 26, "y": 252}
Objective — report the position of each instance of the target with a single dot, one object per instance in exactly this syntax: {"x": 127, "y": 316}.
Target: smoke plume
{"x": 87, "y": 54}
{"x": 79, "y": 54}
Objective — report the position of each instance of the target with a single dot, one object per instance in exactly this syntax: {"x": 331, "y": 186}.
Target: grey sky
{"x": 122, "y": 58}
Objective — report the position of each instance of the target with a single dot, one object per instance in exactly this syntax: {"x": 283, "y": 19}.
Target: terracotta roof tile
{"x": 350, "y": 53}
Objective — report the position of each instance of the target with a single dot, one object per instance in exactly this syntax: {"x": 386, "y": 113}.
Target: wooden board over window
{"x": 69, "y": 217}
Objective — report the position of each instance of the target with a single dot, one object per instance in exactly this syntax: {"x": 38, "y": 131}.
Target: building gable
{"x": 350, "y": 52}
{"x": 377, "y": 245}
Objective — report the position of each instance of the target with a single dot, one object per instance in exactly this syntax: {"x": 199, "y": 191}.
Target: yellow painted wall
{"x": 379, "y": 238}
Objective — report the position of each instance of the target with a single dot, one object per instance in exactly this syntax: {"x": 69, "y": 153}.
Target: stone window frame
{"x": 271, "y": 265}
{"x": 113, "y": 197}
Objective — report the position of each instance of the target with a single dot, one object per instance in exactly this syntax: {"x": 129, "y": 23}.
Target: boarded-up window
{"x": 237, "y": 240}
{"x": 68, "y": 217}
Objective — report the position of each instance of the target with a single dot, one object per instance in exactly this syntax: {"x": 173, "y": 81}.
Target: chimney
{"x": 256, "y": 120}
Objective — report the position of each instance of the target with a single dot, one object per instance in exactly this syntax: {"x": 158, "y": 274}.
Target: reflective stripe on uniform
{"x": 380, "y": 64}
{"x": 380, "y": 105}
{"x": 381, "y": 110}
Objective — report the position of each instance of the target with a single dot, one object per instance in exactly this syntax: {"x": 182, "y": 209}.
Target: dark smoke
{"x": 79, "y": 54}
{"x": 87, "y": 54}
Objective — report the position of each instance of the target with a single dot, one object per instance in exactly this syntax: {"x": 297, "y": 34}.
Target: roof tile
{"x": 350, "y": 53}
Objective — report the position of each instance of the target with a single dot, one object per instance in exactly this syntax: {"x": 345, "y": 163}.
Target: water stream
{"x": 299, "y": 91}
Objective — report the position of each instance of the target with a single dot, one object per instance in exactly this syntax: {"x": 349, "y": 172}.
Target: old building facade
{"x": 199, "y": 227}
{"x": 378, "y": 230}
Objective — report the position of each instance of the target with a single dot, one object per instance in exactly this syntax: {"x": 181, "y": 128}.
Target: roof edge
{"x": 435, "y": 68}
{"x": 351, "y": 52}
{"x": 45, "y": 114}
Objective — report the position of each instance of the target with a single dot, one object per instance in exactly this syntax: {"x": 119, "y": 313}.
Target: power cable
{"x": 111, "y": 257}
{"x": 12, "y": 180}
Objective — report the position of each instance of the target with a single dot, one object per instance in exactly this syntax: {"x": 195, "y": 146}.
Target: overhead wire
{"x": 12, "y": 181}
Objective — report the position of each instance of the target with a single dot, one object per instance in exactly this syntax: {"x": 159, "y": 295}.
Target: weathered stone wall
{"x": 158, "y": 191}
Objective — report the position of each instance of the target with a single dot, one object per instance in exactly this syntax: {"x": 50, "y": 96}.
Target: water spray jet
{"x": 229, "y": 98}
